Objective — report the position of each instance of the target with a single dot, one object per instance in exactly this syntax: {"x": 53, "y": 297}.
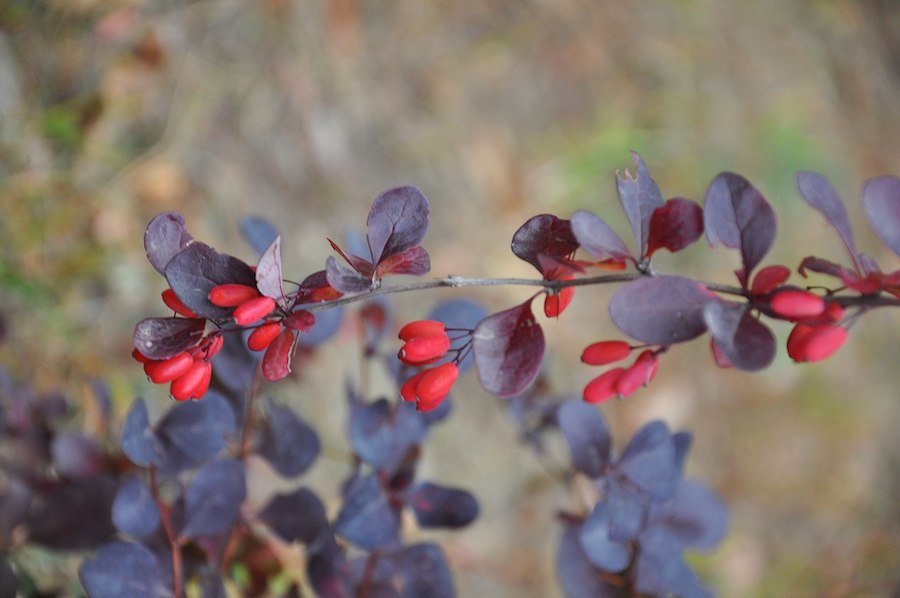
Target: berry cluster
{"x": 425, "y": 342}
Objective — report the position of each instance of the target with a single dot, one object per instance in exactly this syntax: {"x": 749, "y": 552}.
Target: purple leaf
{"x": 161, "y": 338}
{"x": 747, "y": 343}
{"x": 421, "y": 570}
{"x": 288, "y": 443}
{"x": 577, "y": 576}
{"x": 661, "y": 570}
{"x": 604, "y": 552}
{"x": 737, "y": 215}
{"x": 15, "y": 499}
{"x": 649, "y": 461}
{"x": 822, "y": 266}
{"x": 164, "y": 238}
{"x": 587, "y": 435}
{"x": 76, "y": 456}
{"x": 213, "y": 499}
{"x": 194, "y": 431}
{"x": 881, "y": 199}
{"x": 660, "y": 310}
{"x": 438, "y": 506}
{"x": 134, "y": 510}
{"x": 463, "y": 314}
{"x": 508, "y": 347}
{"x": 328, "y": 570}
{"x": 269, "y": 275}
{"x": 139, "y": 443}
{"x": 51, "y": 522}
{"x": 818, "y": 193}
{"x": 413, "y": 261}
{"x": 367, "y": 518}
{"x": 344, "y": 279}
{"x": 675, "y": 225}
{"x": 544, "y": 234}
{"x": 194, "y": 272}
{"x": 627, "y": 507}
{"x": 327, "y": 324}
{"x": 696, "y": 516}
{"x": 299, "y": 515}
{"x": 597, "y": 238}
{"x": 258, "y": 232}
{"x": 383, "y": 434}
{"x": 123, "y": 569}
{"x": 639, "y": 197}
{"x": 397, "y": 221}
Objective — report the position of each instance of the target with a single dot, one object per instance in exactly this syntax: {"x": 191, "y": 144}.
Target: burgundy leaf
{"x": 397, "y": 221}
{"x": 161, "y": 338}
{"x": 737, "y": 215}
{"x": 881, "y": 199}
{"x": 819, "y": 194}
{"x": 597, "y": 237}
{"x": 344, "y": 279}
{"x": 675, "y": 225}
{"x": 747, "y": 343}
{"x": 639, "y": 197}
{"x": 413, "y": 261}
{"x": 198, "y": 268}
{"x": 276, "y": 363}
{"x": 164, "y": 238}
{"x": 508, "y": 347}
{"x": 315, "y": 288}
{"x": 660, "y": 310}
{"x": 361, "y": 265}
{"x": 544, "y": 234}
{"x": 269, "y": 274}
{"x": 817, "y": 264}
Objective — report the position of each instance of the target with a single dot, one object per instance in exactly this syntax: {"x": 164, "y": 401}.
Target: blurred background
{"x": 304, "y": 111}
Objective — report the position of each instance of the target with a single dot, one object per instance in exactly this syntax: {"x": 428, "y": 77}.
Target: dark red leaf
{"x": 675, "y": 225}
{"x": 639, "y": 197}
{"x": 819, "y": 194}
{"x": 745, "y": 341}
{"x": 397, "y": 221}
{"x": 544, "y": 234}
{"x": 597, "y": 238}
{"x": 164, "y": 238}
{"x": 508, "y": 347}
{"x": 660, "y": 310}
{"x": 197, "y": 269}
{"x": 768, "y": 278}
{"x": 162, "y": 338}
{"x": 363, "y": 266}
{"x": 737, "y": 215}
{"x": 413, "y": 261}
{"x": 269, "y": 275}
{"x": 881, "y": 199}
{"x": 315, "y": 288}
{"x": 276, "y": 363}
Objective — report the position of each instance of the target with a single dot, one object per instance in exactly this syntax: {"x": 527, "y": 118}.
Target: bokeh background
{"x": 303, "y": 111}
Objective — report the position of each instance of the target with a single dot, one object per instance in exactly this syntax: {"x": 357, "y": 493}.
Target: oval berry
{"x": 215, "y": 345}
{"x": 174, "y": 303}
{"x": 604, "y": 352}
{"x": 422, "y": 328}
{"x": 408, "y": 390}
{"x": 301, "y": 320}
{"x": 797, "y": 304}
{"x": 167, "y": 370}
{"x": 232, "y": 294}
{"x": 263, "y": 336}
{"x": 422, "y": 350}
{"x": 815, "y": 343}
{"x": 253, "y": 310}
{"x": 434, "y": 385}
{"x": 185, "y": 386}
{"x": 603, "y": 387}
{"x": 639, "y": 374}
{"x": 203, "y": 384}
{"x": 556, "y": 303}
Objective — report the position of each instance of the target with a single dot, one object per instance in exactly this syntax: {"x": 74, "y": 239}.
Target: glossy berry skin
{"x": 797, "y": 304}
{"x": 423, "y": 350}
{"x": 253, "y": 310}
{"x": 603, "y": 387}
{"x": 193, "y": 383}
{"x": 263, "y": 336}
{"x": 430, "y": 387}
{"x": 639, "y": 374}
{"x": 604, "y": 352}
{"x": 422, "y": 328}
{"x": 815, "y": 343}
{"x": 166, "y": 370}
{"x": 232, "y": 295}
{"x": 174, "y": 303}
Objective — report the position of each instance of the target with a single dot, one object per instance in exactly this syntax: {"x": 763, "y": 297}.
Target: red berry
{"x": 408, "y": 390}
{"x": 140, "y": 357}
{"x": 174, "y": 303}
{"x": 422, "y": 328}
{"x": 434, "y": 385}
{"x": 604, "y": 352}
{"x": 603, "y": 387}
{"x": 253, "y": 310}
{"x": 203, "y": 384}
{"x": 166, "y": 370}
{"x": 422, "y": 350}
{"x": 300, "y": 320}
{"x": 556, "y": 303}
{"x": 215, "y": 345}
{"x": 639, "y": 374}
{"x": 263, "y": 336}
{"x": 797, "y": 304}
{"x": 187, "y": 385}
{"x": 768, "y": 278}
{"x": 815, "y": 343}
{"x": 232, "y": 294}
